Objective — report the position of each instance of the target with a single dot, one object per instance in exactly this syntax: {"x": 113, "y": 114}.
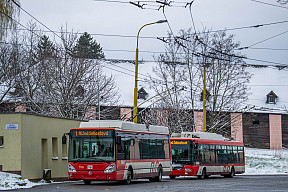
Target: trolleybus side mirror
{"x": 64, "y": 139}
{"x": 118, "y": 140}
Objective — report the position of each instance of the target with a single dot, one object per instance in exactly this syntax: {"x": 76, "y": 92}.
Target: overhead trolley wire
{"x": 267, "y": 48}
{"x": 198, "y": 54}
{"x": 270, "y": 4}
{"x": 263, "y": 41}
{"x": 154, "y": 37}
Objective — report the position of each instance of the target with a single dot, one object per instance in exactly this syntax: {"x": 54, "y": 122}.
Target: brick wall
{"x": 124, "y": 111}
{"x": 256, "y": 130}
{"x": 236, "y": 127}
{"x": 275, "y": 131}
{"x": 198, "y": 120}
{"x": 284, "y": 121}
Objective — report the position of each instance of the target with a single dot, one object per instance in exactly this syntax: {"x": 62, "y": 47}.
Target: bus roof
{"x": 199, "y": 135}
{"x": 125, "y": 126}
{"x": 211, "y": 142}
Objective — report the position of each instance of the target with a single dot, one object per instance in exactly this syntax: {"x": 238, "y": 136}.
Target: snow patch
{"x": 10, "y": 181}
{"x": 266, "y": 161}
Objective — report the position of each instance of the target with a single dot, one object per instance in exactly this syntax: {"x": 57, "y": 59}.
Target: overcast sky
{"x": 122, "y": 18}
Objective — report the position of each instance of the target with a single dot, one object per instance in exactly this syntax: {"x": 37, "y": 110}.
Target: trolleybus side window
{"x": 235, "y": 154}
{"x": 241, "y": 154}
{"x": 149, "y": 147}
{"x": 166, "y": 149}
{"x": 206, "y": 154}
{"x": 124, "y": 149}
{"x": 144, "y": 149}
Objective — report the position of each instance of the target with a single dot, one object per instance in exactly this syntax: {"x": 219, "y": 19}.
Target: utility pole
{"x": 98, "y": 102}
{"x": 204, "y": 98}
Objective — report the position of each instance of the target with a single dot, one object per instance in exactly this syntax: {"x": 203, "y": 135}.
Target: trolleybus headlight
{"x": 111, "y": 168}
{"x": 71, "y": 169}
{"x": 188, "y": 169}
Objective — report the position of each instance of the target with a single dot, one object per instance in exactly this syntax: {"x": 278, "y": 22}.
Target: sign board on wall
{"x": 11, "y": 126}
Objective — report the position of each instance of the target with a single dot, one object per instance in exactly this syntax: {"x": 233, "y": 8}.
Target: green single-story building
{"x": 30, "y": 144}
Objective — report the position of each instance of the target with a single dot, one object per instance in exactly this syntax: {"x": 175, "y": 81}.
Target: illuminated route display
{"x": 98, "y": 133}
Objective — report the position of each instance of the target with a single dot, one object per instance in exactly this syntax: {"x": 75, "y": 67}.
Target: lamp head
{"x": 162, "y": 21}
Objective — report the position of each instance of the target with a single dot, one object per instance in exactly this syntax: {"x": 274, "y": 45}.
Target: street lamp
{"x": 204, "y": 99}
{"x": 136, "y": 71}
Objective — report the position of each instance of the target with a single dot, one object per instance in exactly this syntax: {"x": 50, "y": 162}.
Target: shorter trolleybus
{"x": 118, "y": 151}
{"x": 203, "y": 154}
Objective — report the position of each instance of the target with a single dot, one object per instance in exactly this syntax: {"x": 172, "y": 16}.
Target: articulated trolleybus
{"x": 203, "y": 154}
{"x": 118, "y": 151}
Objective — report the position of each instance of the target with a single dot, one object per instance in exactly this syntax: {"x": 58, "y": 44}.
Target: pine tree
{"x": 88, "y": 48}
{"x": 45, "y": 48}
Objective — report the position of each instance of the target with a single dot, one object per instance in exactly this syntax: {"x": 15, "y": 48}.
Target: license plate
{"x": 90, "y": 167}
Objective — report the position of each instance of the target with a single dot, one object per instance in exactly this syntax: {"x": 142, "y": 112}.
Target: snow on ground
{"x": 258, "y": 162}
{"x": 266, "y": 161}
{"x": 13, "y": 181}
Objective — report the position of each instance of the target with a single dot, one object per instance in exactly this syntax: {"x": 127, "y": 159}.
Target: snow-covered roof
{"x": 263, "y": 81}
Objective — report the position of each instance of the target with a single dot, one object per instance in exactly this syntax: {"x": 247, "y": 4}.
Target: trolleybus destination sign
{"x": 93, "y": 133}
{"x": 175, "y": 142}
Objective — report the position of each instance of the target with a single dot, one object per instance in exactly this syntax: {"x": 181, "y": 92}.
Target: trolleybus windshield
{"x": 92, "y": 145}
{"x": 181, "y": 152}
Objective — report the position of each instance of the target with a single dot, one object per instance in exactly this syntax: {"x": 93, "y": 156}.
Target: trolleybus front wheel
{"x": 129, "y": 177}
{"x": 203, "y": 175}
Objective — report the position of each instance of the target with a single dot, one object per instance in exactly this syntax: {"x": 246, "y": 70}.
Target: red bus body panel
{"x": 97, "y": 171}
{"x": 210, "y": 169}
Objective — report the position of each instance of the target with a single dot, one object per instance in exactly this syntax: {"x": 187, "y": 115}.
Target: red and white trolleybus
{"x": 118, "y": 151}
{"x": 203, "y": 154}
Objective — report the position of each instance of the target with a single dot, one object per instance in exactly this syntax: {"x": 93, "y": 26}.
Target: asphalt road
{"x": 241, "y": 183}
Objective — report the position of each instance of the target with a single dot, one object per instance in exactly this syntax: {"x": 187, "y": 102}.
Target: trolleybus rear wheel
{"x": 159, "y": 177}
{"x": 232, "y": 174}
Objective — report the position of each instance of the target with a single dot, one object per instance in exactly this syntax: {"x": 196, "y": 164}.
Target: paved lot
{"x": 242, "y": 183}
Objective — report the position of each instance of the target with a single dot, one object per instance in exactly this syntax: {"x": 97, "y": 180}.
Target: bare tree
{"x": 55, "y": 82}
{"x": 171, "y": 109}
{"x": 9, "y": 69}
{"x": 226, "y": 76}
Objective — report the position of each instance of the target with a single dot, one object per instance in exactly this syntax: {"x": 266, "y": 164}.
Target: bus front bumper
{"x": 187, "y": 170}
{"x": 96, "y": 175}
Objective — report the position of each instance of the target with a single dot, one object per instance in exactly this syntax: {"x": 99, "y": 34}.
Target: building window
{"x": 271, "y": 98}
{"x": 142, "y": 94}
{"x": 54, "y": 147}
{"x": 64, "y": 151}
{"x": 256, "y": 122}
{"x": 1, "y": 141}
